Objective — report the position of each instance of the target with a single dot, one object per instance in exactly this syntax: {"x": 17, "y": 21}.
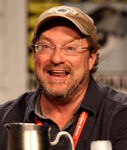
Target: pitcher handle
{"x": 62, "y": 133}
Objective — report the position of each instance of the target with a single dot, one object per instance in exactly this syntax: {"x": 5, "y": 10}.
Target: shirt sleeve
{"x": 119, "y": 130}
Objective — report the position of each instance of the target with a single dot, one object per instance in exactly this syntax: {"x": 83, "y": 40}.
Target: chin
{"x": 56, "y": 93}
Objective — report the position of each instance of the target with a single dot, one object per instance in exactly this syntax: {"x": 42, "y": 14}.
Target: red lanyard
{"x": 38, "y": 121}
{"x": 79, "y": 127}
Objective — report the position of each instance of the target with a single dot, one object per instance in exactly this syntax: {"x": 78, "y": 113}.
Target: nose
{"x": 57, "y": 57}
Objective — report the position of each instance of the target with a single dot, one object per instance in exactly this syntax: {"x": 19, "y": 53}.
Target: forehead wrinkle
{"x": 49, "y": 39}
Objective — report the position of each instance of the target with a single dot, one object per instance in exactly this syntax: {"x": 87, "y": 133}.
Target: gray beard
{"x": 65, "y": 96}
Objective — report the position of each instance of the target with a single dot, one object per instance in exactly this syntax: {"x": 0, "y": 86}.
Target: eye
{"x": 45, "y": 46}
{"x": 70, "y": 48}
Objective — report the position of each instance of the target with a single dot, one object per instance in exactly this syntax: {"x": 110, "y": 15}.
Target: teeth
{"x": 58, "y": 71}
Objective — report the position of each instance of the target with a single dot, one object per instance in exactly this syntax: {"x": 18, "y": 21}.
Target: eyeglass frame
{"x": 36, "y": 46}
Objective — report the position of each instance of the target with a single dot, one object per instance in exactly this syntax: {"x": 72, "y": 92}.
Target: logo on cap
{"x": 62, "y": 10}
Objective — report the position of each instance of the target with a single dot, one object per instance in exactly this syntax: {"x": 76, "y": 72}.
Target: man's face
{"x": 58, "y": 74}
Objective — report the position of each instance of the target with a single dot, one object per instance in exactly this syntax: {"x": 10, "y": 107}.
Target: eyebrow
{"x": 45, "y": 38}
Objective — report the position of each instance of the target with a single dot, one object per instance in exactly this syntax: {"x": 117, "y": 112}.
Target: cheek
{"x": 80, "y": 63}
{"x": 37, "y": 63}
{"x": 40, "y": 60}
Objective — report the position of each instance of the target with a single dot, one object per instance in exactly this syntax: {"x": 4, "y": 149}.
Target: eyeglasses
{"x": 71, "y": 48}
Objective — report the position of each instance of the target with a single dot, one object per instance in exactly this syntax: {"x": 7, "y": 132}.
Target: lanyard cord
{"x": 79, "y": 127}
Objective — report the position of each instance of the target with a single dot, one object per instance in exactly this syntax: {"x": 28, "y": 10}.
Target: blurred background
{"x": 17, "y": 20}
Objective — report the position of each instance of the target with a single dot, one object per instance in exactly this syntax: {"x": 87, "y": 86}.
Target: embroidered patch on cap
{"x": 63, "y": 10}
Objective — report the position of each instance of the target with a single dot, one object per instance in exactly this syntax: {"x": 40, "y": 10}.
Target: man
{"x": 65, "y": 56}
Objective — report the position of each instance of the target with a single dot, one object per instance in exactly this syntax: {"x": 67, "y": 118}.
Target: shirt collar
{"x": 93, "y": 97}
{"x": 30, "y": 104}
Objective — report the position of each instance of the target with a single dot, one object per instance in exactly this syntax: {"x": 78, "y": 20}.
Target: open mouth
{"x": 58, "y": 73}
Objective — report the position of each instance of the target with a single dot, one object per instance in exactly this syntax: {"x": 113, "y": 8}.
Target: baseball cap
{"x": 80, "y": 19}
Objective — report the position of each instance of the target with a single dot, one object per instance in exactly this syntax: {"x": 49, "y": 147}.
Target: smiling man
{"x": 62, "y": 67}
{"x": 65, "y": 50}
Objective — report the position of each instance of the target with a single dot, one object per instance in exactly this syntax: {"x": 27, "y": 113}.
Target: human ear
{"x": 92, "y": 59}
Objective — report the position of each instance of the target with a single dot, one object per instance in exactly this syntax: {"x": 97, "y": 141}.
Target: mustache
{"x": 64, "y": 67}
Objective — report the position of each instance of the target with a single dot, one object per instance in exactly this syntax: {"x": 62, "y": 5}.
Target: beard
{"x": 66, "y": 94}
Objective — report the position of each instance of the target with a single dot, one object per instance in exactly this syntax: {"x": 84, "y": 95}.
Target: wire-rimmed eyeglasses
{"x": 71, "y": 48}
